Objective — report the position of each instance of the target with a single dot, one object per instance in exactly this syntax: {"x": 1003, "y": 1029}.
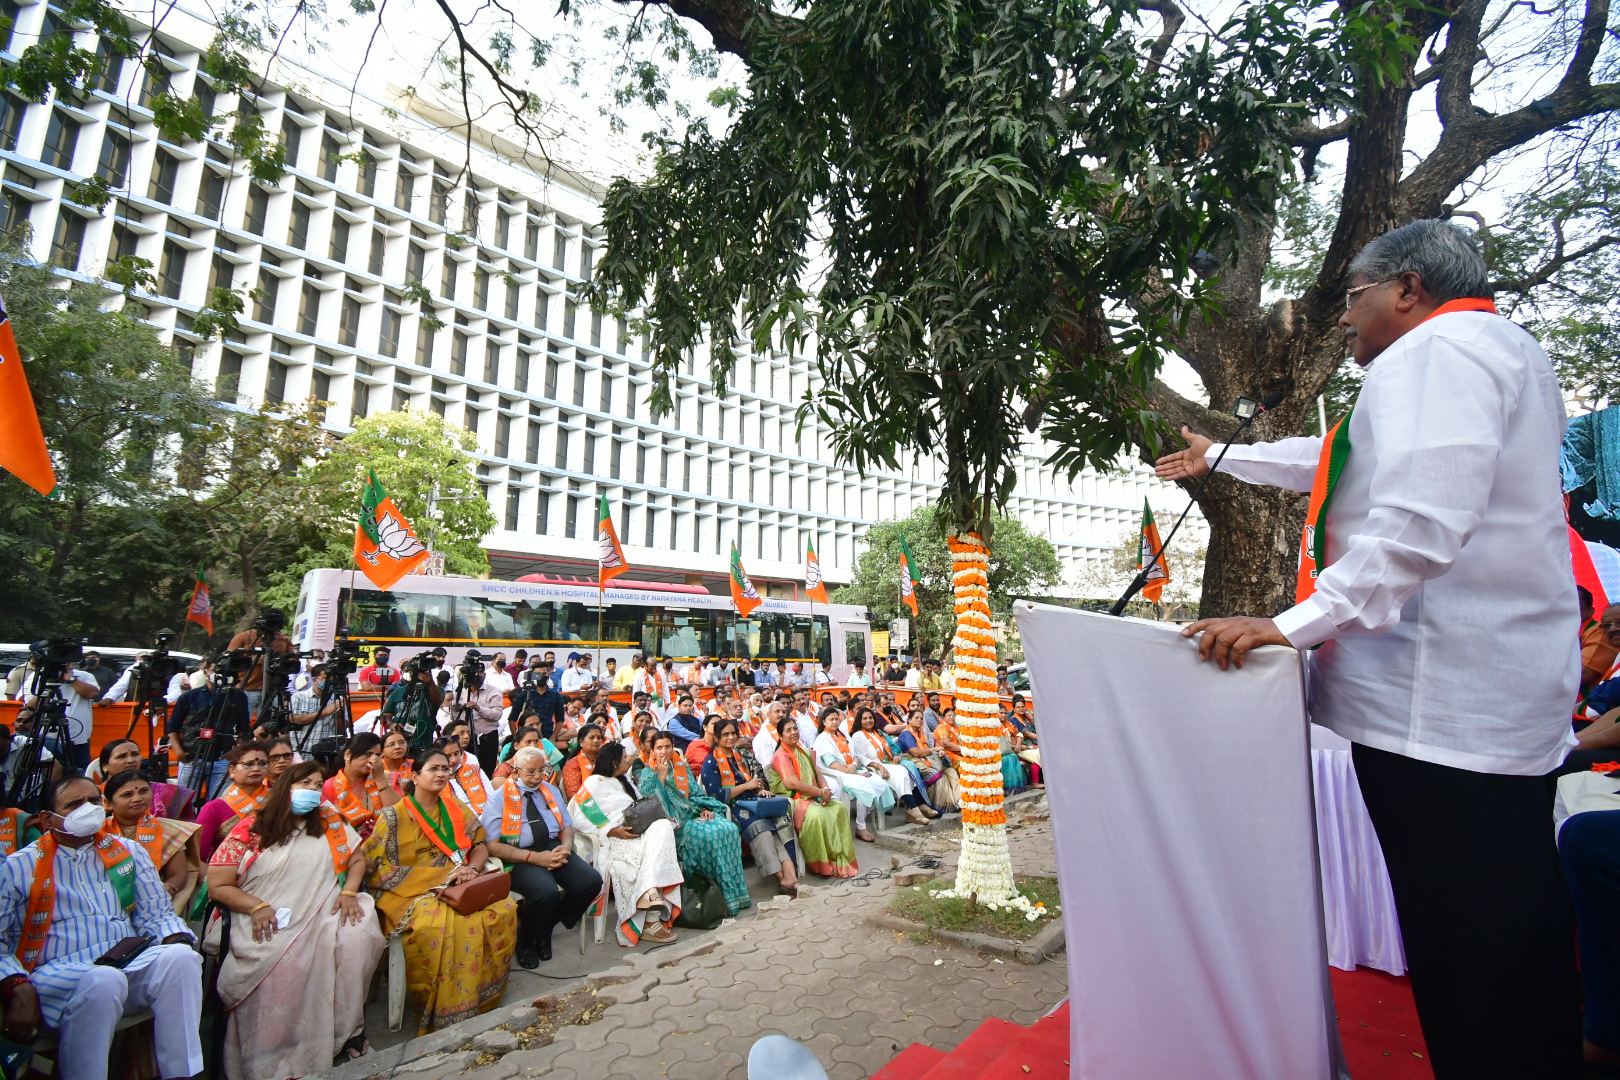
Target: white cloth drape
{"x": 1186, "y": 854}
{"x": 1358, "y": 905}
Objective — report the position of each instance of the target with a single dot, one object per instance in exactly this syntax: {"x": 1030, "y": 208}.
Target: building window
{"x": 492, "y": 361}
{"x": 309, "y": 309}
{"x": 61, "y": 140}
{"x": 264, "y": 300}
{"x": 652, "y": 522}
{"x": 388, "y": 336}
{"x": 203, "y": 94}
{"x": 320, "y": 386}
{"x": 361, "y": 400}
{"x": 450, "y": 268}
{"x": 12, "y": 110}
{"x": 542, "y": 512}
{"x": 559, "y": 251}
{"x": 579, "y": 385}
{"x": 503, "y": 435}
{"x": 616, "y": 457}
{"x": 542, "y": 308}
{"x": 481, "y": 289}
{"x": 349, "y": 321}
{"x": 153, "y": 83}
{"x": 292, "y": 137}
{"x": 230, "y": 376}
{"x": 403, "y": 185}
{"x": 220, "y": 274}
{"x": 402, "y": 399}
{"x": 379, "y": 248}
{"x": 258, "y": 209}
{"x": 298, "y": 225}
{"x": 164, "y": 169}
{"x": 590, "y": 453}
{"x": 339, "y": 250}
{"x": 562, "y": 448}
{"x": 513, "y": 495}
{"x": 113, "y": 166}
{"x": 10, "y": 11}
{"x": 606, "y": 404}
{"x": 520, "y": 375}
{"x": 587, "y": 256}
{"x": 275, "y": 383}
{"x": 469, "y": 214}
{"x": 210, "y": 194}
{"x": 553, "y": 364}
{"x": 571, "y": 528}
{"x": 368, "y": 174}
{"x": 533, "y": 448}
{"x": 171, "y": 270}
{"x": 512, "y": 301}
{"x": 439, "y": 204}
{"x": 329, "y": 157}
{"x": 570, "y": 315}
{"x": 415, "y": 262}
{"x": 596, "y": 329}
{"x": 424, "y": 346}
{"x": 531, "y": 242}
{"x": 124, "y": 243}
{"x": 68, "y": 240}
{"x": 458, "y": 354}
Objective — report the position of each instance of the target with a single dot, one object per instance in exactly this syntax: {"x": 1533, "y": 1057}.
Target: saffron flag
{"x": 610, "y": 560}
{"x": 814, "y": 587}
{"x": 742, "y": 590}
{"x": 908, "y": 576}
{"x": 201, "y": 610}
{"x": 385, "y": 545}
{"x": 1149, "y": 545}
{"x": 22, "y": 442}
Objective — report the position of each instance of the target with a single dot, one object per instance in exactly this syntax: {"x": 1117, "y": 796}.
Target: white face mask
{"x": 87, "y": 820}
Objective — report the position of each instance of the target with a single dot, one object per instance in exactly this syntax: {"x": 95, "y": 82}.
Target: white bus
{"x": 460, "y": 613}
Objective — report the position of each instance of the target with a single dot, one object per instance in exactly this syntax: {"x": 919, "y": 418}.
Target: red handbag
{"x": 471, "y": 897}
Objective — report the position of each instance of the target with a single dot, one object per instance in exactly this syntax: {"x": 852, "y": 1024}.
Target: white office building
{"x": 376, "y": 196}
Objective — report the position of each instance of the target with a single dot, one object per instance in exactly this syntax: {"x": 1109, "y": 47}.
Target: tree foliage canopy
{"x": 1021, "y": 564}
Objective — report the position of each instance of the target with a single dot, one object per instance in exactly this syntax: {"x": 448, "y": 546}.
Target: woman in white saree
{"x": 872, "y": 751}
{"x": 835, "y": 758}
{"x": 296, "y": 992}
{"x": 643, "y": 868}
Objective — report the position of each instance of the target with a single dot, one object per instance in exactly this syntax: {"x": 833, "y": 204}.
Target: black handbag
{"x": 703, "y": 905}
{"x": 640, "y": 815}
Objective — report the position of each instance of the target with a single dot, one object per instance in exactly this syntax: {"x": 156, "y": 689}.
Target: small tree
{"x": 415, "y": 454}
{"x": 1021, "y": 564}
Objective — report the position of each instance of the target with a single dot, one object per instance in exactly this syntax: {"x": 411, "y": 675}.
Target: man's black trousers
{"x": 553, "y": 896}
{"x": 1485, "y": 915}
{"x": 487, "y": 748}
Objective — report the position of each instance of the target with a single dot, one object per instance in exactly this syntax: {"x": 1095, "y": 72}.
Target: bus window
{"x": 493, "y": 620}
{"x": 736, "y": 639}
{"x": 854, "y": 646}
{"x": 395, "y": 616}
{"x": 686, "y": 634}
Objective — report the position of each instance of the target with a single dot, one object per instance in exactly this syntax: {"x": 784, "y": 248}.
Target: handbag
{"x": 471, "y": 897}
{"x": 704, "y": 904}
{"x": 773, "y": 807}
{"x": 640, "y": 815}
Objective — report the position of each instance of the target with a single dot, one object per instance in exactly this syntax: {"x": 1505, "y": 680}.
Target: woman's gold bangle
{"x": 262, "y": 905}
{"x": 346, "y": 892}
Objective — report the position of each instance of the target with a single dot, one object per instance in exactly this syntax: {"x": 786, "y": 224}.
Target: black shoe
{"x": 528, "y": 958}
{"x": 545, "y": 948}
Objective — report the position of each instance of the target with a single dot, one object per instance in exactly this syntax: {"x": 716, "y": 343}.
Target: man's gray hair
{"x": 1442, "y": 254}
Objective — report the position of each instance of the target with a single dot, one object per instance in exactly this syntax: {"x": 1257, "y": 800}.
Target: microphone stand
{"x": 1141, "y": 578}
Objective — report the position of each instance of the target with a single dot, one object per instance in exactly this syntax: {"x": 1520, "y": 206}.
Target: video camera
{"x": 152, "y": 675}
{"x": 233, "y": 664}
{"x": 285, "y": 665}
{"x": 344, "y": 658}
{"x": 422, "y": 661}
{"x": 53, "y": 656}
{"x": 472, "y": 666}
{"x": 269, "y": 622}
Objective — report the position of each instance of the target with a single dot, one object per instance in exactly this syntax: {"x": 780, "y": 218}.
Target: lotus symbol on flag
{"x": 905, "y": 584}
{"x": 394, "y": 540}
{"x": 812, "y": 574}
{"x": 609, "y": 555}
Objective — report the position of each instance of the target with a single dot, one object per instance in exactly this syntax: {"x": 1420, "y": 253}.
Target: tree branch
{"x": 1561, "y": 258}
{"x": 1454, "y": 100}
{"x": 1172, "y": 17}
{"x": 1312, "y": 136}
{"x": 727, "y": 21}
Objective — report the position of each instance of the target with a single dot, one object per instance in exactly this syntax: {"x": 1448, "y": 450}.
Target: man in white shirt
{"x": 798, "y": 676}
{"x": 79, "y": 690}
{"x": 1443, "y": 529}
{"x": 579, "y": 675}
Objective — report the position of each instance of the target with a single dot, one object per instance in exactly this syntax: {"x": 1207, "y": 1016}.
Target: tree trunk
{"x": 1253, "y": 553}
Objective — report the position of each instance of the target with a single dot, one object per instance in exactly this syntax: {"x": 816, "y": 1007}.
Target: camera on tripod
{"x": 344, "y": 659}
{"x": 472, "y": 666}
{"x": 233, "y": 664}
{"x": 422, "y": 661}
{"x": 268, "y": 622}
{"x": 53, "y": 656}
{"x": 152, "y": 675}
{"x": 285, "y": 665}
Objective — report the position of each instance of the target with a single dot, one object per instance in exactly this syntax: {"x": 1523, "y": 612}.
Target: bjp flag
{"x": 385, "y": 545}
{"x": 610, "y": 559}
{"x": 814, "y": 587}
{"x": 908, "y": 576}
{"x": 201, "y": 610}
{"x": 1148, "y": 545}
{"x": 742, "y": 590}
{"x": 22, "y": 442}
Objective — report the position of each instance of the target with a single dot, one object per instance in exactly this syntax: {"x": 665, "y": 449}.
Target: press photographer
{"x": 414, "y": 702}
{"x": 315, "y": 711}
{"x": 482, "y": 704}
{"x": 264, "y": 634}
{"x": 56, "y": 673}
{"x": 209, "y": 720}
{"x": 536, "y": 700}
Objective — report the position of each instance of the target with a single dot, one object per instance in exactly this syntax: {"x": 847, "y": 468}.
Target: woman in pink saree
{"x": 295, "y": 986}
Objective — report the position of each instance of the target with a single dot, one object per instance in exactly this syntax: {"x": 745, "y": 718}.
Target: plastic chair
{"x": 396, "y": 965}
{"x": 777, "y": 1057}
{"x": 587, "y": 848}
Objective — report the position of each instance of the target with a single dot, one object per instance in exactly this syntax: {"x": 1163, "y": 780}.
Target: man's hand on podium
{"x": 1227, "y": 640}
{"x": 1185, "y": 464}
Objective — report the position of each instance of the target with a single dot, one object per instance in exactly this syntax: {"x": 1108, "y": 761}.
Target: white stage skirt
{"x": 1357, "y": 903}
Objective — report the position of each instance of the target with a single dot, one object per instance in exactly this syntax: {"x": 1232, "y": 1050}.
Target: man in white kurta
{"x": 84, "y": 1001}
{"x": 1447, "y": 624}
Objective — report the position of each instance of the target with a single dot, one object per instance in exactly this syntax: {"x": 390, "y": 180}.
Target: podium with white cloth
{"x": 1186, "y": 846}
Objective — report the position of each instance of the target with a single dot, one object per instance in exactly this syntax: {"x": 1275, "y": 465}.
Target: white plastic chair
{"x": 586, "y": 847}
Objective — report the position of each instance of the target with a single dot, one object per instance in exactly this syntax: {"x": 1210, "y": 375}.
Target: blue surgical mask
{"x": 304, "y": 800}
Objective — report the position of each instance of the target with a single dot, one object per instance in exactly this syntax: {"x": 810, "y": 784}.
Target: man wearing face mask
{"x": 68, "y": 899}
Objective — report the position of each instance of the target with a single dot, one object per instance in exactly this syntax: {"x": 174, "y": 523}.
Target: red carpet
{"x": 1377, "y": 1023}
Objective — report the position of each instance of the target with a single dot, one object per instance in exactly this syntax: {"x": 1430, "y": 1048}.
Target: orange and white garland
{"x": 985, "y": 867}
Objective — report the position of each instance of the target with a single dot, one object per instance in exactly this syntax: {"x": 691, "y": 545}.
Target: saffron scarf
{"x": 512, "y": 810}
{"x": 358, "y": 811}
{"x": 1335, "y": 452}
{"x": 732, "y": 771}
{"x": 120, "y": 864}
{"x": 472, "y": 782}
{"x": 843, "y": 748}
{"x": 241, "y": 803}
{"x": 11, "y": 830}
{"x": 148, "y": 834}
{"x": 451, "y": 839}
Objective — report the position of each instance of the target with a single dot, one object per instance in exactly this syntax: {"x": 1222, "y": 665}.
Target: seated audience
{"x": 834, "y": 756}
{"x": 732, "y": 776}
{"x": 873, "y": 752}
{"x": 355, "y": 789}
{"x": 170, "y": 844}
{"x": 396, "y": 759}
{"x": 699, "y": 749}
{"x": 933, "y": 768}
{"x": 467, "y": 780}
{"x": 821, "y": 821}
{"x": 168, "y": 800}
{"x": 102, "y": 889}
{"x": 279, "y": 757}
{"x": 295, "y": 993}
{"x": 644, "y": 868}
{"x": 639, "y": 723}
{"x": 456, "y": 966}
{"x": 244, "y": 792}
{"x": 578, "y": 767}
{"x": 706, "y": 840}
{"x": 520, "y": 738}
{"x": 530, "y": 829}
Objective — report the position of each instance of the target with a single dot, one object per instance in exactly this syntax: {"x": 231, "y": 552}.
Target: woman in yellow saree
{"x": 455, "y": 965}
{"x": 822, "y": 822}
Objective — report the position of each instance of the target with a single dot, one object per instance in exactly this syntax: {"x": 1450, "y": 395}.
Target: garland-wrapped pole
{"x": 985, "y": 867}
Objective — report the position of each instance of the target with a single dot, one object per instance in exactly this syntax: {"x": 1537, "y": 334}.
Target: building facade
{"x": 378, "y": 194}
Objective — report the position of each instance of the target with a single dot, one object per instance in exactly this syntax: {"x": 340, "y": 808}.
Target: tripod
{"x": 335, "y": 689}
{"x": 49, "y": 722}
{"x": 209, "y": 743}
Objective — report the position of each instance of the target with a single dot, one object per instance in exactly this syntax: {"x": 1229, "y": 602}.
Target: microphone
{"x": 1246, "y": 409}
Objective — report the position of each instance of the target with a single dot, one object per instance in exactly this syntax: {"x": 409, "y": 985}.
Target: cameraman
{"x": 538, "y": 699}
{"x": 307, "y": 710}
{"x": 483, "y": 704}
{"x": 80, "y": 690}
{"x": 265, "y": 633}
{"x": 224, "y": 707}
{"x": 417, "y": 717}
{"x": 377, "y": 675}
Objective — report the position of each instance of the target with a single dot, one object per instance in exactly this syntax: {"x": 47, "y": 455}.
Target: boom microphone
{"x": 1246, "y": 409}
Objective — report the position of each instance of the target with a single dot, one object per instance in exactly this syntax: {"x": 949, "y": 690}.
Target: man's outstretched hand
{"x": 1185, "y": 464}
{"x": 1228, "y": 640}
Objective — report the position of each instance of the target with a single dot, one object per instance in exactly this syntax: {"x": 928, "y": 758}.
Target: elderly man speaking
{"x": 1435, "y": 577}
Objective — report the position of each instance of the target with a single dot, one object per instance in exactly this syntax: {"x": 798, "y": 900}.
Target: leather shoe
{"x": 527, "y": 957}
{"x": 545, "y": 949}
